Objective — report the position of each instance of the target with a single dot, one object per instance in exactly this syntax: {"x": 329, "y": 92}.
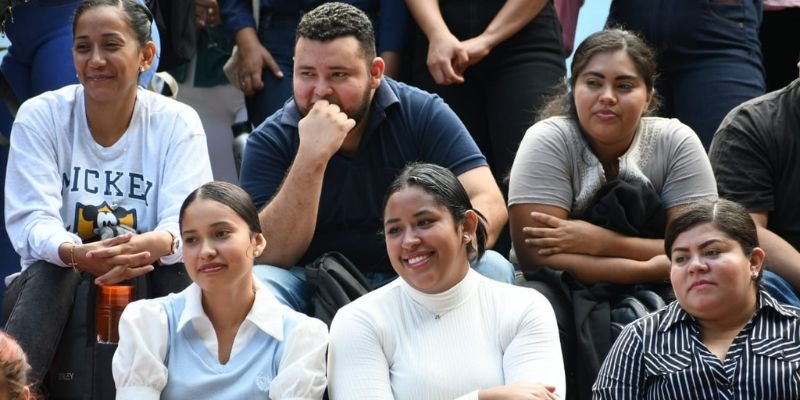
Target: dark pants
{"x": 39, "y": 303}
{"x": 709, "y": 55}
{"x": 501, "y": 94}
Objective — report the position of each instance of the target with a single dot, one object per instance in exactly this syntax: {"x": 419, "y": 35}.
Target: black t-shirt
{"x": 756, "y": 159}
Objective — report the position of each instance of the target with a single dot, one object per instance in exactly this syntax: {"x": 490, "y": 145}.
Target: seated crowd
{"x": 601, "y": 194}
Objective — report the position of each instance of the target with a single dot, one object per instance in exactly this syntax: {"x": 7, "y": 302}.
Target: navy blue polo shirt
{"x": 405, "y": 124}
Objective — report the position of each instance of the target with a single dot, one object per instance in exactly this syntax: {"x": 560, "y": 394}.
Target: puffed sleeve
{"x": 357, "y": 365}
{"x": 138, "y": 364}
{"x": 301, "y": 373}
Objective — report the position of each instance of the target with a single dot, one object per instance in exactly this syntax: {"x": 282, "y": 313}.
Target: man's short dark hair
{"x": 336, "y": 20}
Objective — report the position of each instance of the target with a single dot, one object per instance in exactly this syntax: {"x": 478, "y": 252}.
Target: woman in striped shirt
{"x": 724, "y": 337}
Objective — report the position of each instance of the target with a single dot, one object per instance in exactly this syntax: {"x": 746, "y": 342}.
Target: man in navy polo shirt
{"x": 320, "y": 165}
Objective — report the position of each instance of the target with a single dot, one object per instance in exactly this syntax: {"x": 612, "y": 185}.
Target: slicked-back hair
{"x": 226, "y": 194}
{"x": 445, "y": 187}
{"x": 138, "y": 16}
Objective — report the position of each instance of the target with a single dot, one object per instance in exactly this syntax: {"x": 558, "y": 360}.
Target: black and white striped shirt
{"x": 660, "y": 356}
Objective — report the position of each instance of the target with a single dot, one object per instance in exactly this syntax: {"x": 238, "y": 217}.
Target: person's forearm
{"x": 512, "y": 17}
{"x": 782, "y": 257}
{"x": 290, "y": 218}
{"x": 428, "y": 17}
{"x": 634, "y": 248}
{"x": 247, "y": 39}
{"x": 493, "y": 208}
{"x": 598, "y": 269}
{"x": 157, "y": 243}
{"x": 485, "y": 197}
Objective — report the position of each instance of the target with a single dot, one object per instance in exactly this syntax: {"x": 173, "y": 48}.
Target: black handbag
{"x": 335, "y": 282}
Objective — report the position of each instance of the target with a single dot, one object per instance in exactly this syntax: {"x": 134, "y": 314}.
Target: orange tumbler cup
{"x": 111, "y": 300}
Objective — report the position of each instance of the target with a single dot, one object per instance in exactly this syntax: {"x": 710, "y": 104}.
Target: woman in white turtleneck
{"x": 442, "y": 331}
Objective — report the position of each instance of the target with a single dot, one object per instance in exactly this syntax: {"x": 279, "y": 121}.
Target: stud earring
{"x": 466, "y": 238}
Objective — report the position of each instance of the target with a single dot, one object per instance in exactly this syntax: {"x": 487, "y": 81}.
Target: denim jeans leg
{"x": 778, "y": 288}
{"x": 42, "y": 298}
{"x": 494, "y": 266}
{"x": 709, "y": 53}
{"x": 288, "y": 286}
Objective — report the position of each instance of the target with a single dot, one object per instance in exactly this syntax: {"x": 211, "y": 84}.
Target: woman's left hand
{"x": 564, "y": 235}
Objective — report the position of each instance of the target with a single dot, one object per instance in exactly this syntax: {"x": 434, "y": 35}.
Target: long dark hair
{"x": 445, "y": 187}
{"x": 605, "y": 41}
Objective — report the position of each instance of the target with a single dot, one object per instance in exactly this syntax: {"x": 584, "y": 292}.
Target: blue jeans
{"x": 709, "y": 55}
{"x": 778, "y": 288}
{"x": 290, "y": 287}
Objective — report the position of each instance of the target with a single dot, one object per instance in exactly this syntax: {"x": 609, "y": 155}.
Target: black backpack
{"x": 632, "y": 306}
{"x": 176, "y": 27}
{"x": 335, "y": 282}
{"x": 81, "y": 367}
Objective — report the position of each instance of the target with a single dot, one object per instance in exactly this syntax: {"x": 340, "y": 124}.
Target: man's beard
{"x": 358, "y": 115}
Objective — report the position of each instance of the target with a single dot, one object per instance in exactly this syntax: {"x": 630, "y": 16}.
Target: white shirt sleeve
{"x": 534, "y": 354}
{"x": 357, "y": 364}
{"x": 33, "y": 187}
{"x": 301, "y": 373}
{"x": 138, "y": 364}
{"x": 187, "y": 167}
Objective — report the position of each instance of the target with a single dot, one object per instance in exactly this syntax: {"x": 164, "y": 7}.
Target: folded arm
{"x": 543, "y": 236}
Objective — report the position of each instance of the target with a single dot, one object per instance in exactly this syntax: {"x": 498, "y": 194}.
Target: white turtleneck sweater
{"x": 399, "y": 343}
